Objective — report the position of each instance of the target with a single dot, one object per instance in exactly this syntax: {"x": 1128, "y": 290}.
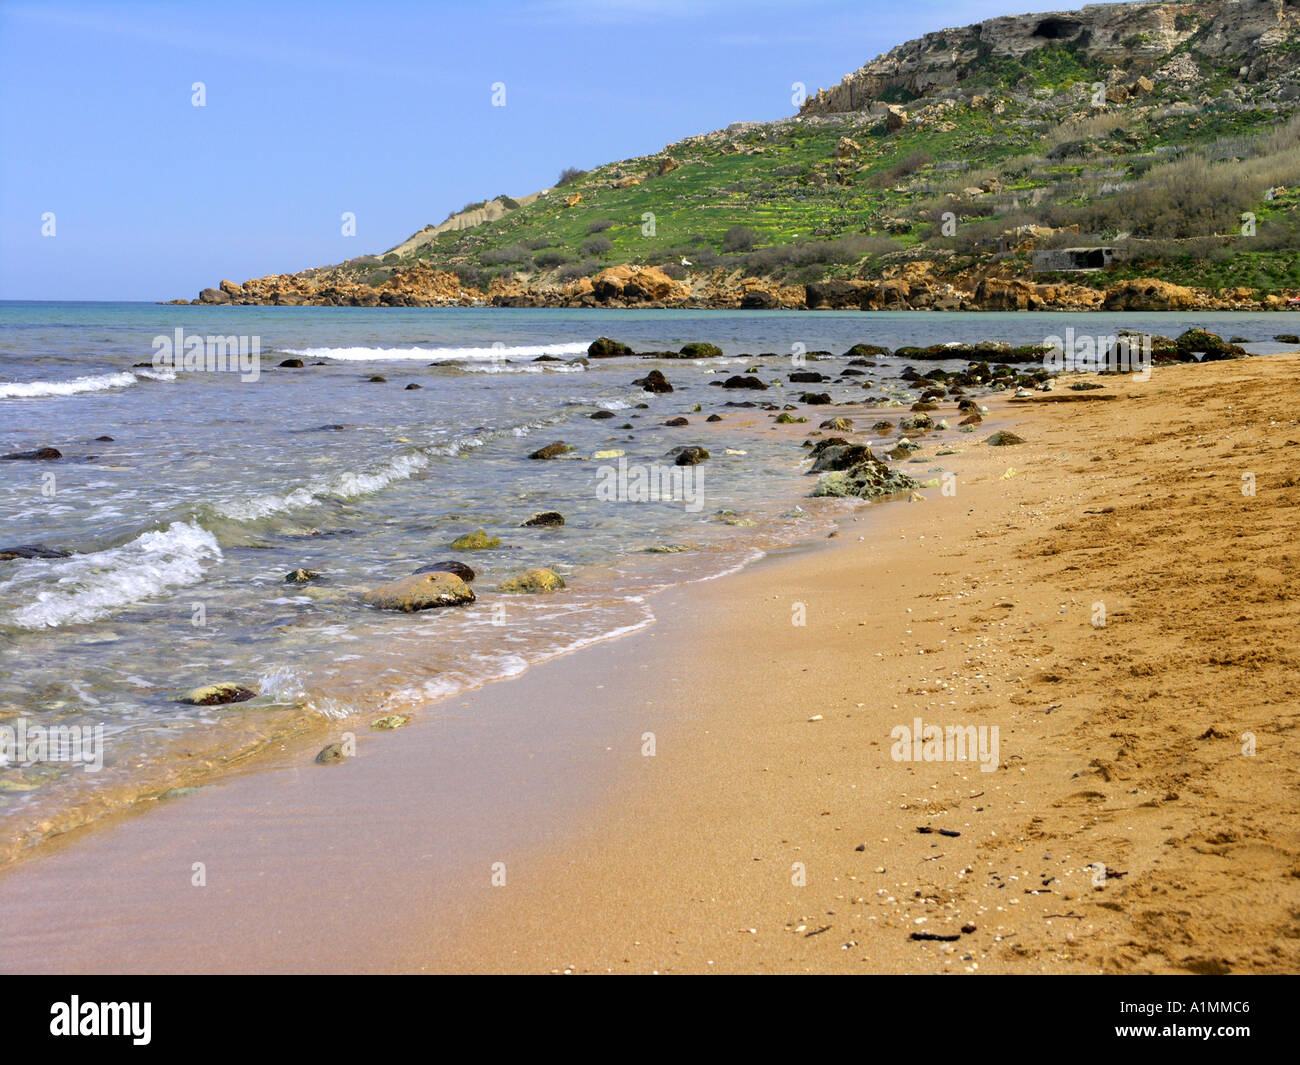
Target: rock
{"x": 759, "y": 299}
{"x": 547, "y": 517}
{"x": 552, "y": 450}
{"x": 1004, "y": 439}
{"x": 600, "y": 414}
{"x": 677, "y": 422}
{"x": 654, "y": 381}
{"x": 691, "y": 456}
{"x": 301, "y": 576}
{"x": 807, "y": 376}
{"x": 839, "y": 456}
{"x": 1287, "y": 338}
{"x": 390, "y": 722}
{"x": 1198, "y": 344}
{"x": 458, "y": 568}
{"x": 916, "y": 422}
{"x": 104, "y": 439}
{"x": 815, "y": 398}
{"x": 883, "y": 428}
{"x": 636, "y": 284}
{"x": 840, "y": 425}
{"x": 377, "y": 379}
{"x": 291, "y": 364}
{"x": 604, "y": 348}
{"x": 701, "y": 350}
{"x": 41, "y": 454}
{"x": 218, "y": 695}
{"x": 421, "y": 591}
{"x": 788, "y": 419}
{"x": 412, "y": 387}
{"x": 8, "y": 554}
{"x": 868, "y": 479}
{"x": 213, "y": 295}
{"x": 1148, "y": 294}
{"x": 833, "y": 295}
{"x": 478, "y": 540}
{"x": 535, "y": 580}
{"x": 740, "y": 381}
{"x": 714, "y": 418}
{"x": 666, "y": 165}
{"x": 331, "y": 754}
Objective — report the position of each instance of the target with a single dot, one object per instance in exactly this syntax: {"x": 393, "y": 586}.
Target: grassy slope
{"x": 814, "y": 217}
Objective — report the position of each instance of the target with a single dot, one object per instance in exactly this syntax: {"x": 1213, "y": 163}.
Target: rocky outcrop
{"x": 1138, "y": 38}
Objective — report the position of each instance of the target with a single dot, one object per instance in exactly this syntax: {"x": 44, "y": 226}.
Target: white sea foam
{"x": 350, "y": 485}
{"x": 487, "y": 354}
{"x": 93, "y": 586}
{"x": 73, "y": 386}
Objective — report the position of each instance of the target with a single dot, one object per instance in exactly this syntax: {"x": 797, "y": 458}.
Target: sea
{"x": 188, "y": 490}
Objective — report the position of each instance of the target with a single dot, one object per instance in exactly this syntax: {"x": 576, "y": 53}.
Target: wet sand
{"x": 772, "y": 830}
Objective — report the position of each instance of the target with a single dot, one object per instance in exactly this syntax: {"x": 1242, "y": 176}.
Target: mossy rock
{"x": 218, "y": 695}
{"x": 478, "y": 540}
{"x": 421, "y": 591}
{"x": 701, "y": 350}
{"x": 535, "y": 580}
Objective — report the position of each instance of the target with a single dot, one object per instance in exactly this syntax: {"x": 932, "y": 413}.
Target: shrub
{"x": 550, "y": 257}
{"x": 596, "y": 246}
{"x": 600, "y": 225}
{"x": 738, "y": 239}
{"x": 574, "y": 271}
{"x": 510, "y": 255}
{"x": 568, "y": 176}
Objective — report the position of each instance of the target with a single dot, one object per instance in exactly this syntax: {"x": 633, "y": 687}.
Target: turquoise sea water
{"x": 216, "y": 483}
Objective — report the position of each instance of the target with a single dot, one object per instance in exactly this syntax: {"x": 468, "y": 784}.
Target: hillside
{"x": 960, "y": 170}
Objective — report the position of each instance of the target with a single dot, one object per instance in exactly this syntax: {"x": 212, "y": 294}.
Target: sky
{"x": 114, "y": 185}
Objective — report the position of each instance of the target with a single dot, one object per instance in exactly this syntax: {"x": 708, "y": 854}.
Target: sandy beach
{"x": 726, "y": 791}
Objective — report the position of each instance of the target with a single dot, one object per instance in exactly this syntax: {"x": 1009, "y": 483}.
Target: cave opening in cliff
{"x": 1058, "y": 29}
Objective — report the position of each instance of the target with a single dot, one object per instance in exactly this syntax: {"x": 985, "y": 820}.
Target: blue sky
{"x": 383, "y": 109}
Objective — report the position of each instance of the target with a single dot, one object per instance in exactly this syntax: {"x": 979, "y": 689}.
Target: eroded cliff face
{"x": 1136, "y": 38}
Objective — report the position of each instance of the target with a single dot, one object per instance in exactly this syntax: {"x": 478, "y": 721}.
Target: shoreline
{"x": 615, "y": 860}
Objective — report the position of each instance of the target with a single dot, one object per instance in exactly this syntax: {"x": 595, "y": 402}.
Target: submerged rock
{"x": 676, "y": 422}
{"x": 701, "y": 350}
{"x": 458, "y": 568}
{"x": 815, "y": 398}
{"x": 552, "y": 450}
{"x": 601, "y": 414}
{"x": 478, "y": 540}
{"x": 421, "y": 591}
{"x": 535, "y": 580}
{"x": 742, "y": 381}
{"x": 41, "y": 454}
{"x": 691, "y": 456}
{"x": 31, "y": 551}
{"x": 291, "y": 364}
{"x": 218, "y": 695}
{"x": 392, "y": 721}
{"x": 840, "y": 425}
{"x": 604, "y": 348}
{"x": 547, "y": 517}
{"x": 301, "y": 576}
{"x": 654, "y": 381}
{"x": 331, "y": 754}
